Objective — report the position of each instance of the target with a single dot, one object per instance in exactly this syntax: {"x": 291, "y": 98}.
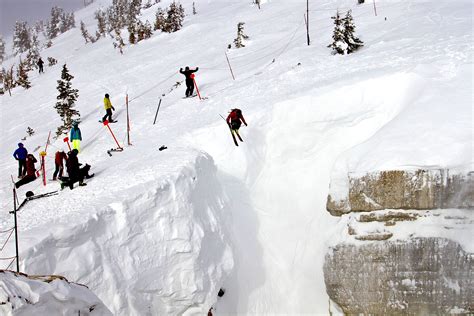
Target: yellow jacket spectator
{"x": 108, "y": 109}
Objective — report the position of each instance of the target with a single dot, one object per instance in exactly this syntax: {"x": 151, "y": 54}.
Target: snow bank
{"x": 163, "y": 251}
{"x": 21, "y": 294}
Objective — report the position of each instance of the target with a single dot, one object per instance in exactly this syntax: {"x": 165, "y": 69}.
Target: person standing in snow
{"x": 108, "y": 109}
{"x": 40, "y": 65}
{"x": 30, "y": 171}
{"x": 76, "y": 136}
{"x": 58, "y": 162}
{"x": 20, "y": 155}
{"x": 189, "y": 79}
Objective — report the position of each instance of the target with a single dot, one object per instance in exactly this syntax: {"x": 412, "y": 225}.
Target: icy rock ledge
{"x": 401, "y": 189}
{"x": 22, "y": 294}
{"x": 421, "y": 276}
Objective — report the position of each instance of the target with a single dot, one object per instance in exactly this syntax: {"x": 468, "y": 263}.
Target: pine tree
{"x": 339, "y": 45}
{"x": 2, "y": 49}
{"x": 160, "y": 19}
{"x": 21, "y": 38}
{"x": 140, "y": 31}
{"x": 353, "y": 42}
{"x": 100, "y": 16}
{"x": 194, "y": 9}
{"x": 134, "y": 9}
{"x": 240, "y": 36}
{"x": 9, "y": 80}
{"x": 147, "y": 30}
{"x": 33, "y": 53}
{"x": 131, "y": 34}
{"x": 175, "y": 18}
{"x": 53, "y": 26}
{"x": 119, "y": 43}
{"x": 66, "y": 99}
{"x": 84, "y": 32}
{"x": 22, "y": 74}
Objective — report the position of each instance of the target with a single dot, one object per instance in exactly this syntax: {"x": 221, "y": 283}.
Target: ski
{"x": 111, "y": 150}
{"x": 100, "y": 121}
{"x": 238, "y": 135}
{"x": 231, "y": 132}
{"x": 233, "y": 137}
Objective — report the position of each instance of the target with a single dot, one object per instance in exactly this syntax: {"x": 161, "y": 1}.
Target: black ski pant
{"x": 25, "y": 180}
{"x": 40, "y": 68}
{"x": 21, "y": 167}
{"x": 58, "y": 169}
{"x": 189, "y": 87}
{"x": 107, "y": 114}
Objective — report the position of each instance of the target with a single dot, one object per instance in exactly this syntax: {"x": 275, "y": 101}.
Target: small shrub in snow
{"x": 119, "y": 43}
{"x": 101, "y": 22}
{"x": 8, "y": 80}
{"x": 239, "y": 41}
{"x": 52, "y": 61}
{"x": 66, "y": 100}
{"x": 30, "y": 131}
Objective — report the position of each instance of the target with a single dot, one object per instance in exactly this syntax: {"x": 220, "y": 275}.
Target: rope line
{"x": 5, "y": 243}
{"x": 6, "y": 231}
{"x": 8, "y": 258}
{"x": 10, "y": 263}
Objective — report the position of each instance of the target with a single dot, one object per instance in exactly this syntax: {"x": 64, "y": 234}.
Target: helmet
{"x": 107, "y": 95}
{"x": 20, "y": 145}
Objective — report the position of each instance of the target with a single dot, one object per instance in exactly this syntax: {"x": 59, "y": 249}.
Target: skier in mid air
{"x": 189, "y": 80}
{"x": 235, "y": 120}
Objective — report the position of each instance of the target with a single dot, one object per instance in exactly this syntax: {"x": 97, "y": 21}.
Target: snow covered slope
{"x": 46, "y": 295}
{"x": 257, "y": 223}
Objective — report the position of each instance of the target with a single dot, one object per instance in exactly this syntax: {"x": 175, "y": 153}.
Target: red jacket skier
{"x": 235, "y": 119}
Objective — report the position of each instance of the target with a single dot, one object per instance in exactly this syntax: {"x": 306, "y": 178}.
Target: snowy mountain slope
{"x": 302, "y": 119}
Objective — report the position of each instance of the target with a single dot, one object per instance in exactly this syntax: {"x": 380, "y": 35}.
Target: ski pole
{"x": 195, "y": 84}
{"x": 66, "y": 140}
{"x": 106, "y": 123}
{"x": 156, "y": 115}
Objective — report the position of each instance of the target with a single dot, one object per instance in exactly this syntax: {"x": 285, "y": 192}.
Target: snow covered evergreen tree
{"x": 160, "y": 19}
{"x": 53, "y": 25}
{"x": 101, "y": 17}
{"x": 22, "y": 73}
{"x": 33, "y": 53}
{"x": 353, "y": 42}
{"x": 8, "y": 80}
{"x": 119, "y": 43}
{"x": 175, "y": 18}
{"x": 21, "y": 38}
{"x": 67, "y": 22}
{"x": 2, "y": 49}
{"x": 134, "y": 10}
{"x": 194, "y": 9}
{"x": 85, "y": 33}
{"x": 339, "y": 45}
{"x": 239, "y": 41}
{"x": 66, "y": 99}
{"x": 132, "y": 39}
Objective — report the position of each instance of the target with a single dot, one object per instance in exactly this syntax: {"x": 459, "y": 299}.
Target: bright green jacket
{"x": 107, "y": 104}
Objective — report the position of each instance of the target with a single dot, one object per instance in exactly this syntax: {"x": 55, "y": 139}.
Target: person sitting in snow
{"x": 30, "y": 171}
{"x": 73, "y": 170}
{"x": 189, "y": 79}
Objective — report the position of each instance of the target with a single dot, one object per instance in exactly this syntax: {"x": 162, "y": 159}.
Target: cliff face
{"x": 404, "y": 255}
{"x": 398, "y": 189}
{"x": 421, "y": 276}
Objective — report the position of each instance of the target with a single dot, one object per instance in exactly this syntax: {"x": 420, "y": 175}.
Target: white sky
{"x": 30, "y": 11}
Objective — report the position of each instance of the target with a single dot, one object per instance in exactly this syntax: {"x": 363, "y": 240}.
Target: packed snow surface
{"x": 158, "y": 232}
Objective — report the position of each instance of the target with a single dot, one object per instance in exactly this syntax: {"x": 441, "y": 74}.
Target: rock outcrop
{"x": 400, "y": 189}
{"x": 420, "y": 276}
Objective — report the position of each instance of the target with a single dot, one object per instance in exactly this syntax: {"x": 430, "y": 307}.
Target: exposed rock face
{"x": 421, "y": 276}
{"x": 398, "y": 189}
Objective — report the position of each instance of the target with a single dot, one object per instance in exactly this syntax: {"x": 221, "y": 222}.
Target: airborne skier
{"x": 235, "y": 120}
